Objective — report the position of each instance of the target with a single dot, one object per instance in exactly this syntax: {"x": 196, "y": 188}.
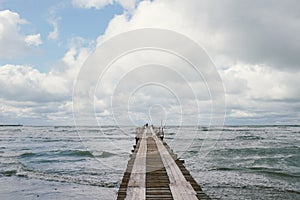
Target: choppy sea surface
{"x": 233, "y": 162}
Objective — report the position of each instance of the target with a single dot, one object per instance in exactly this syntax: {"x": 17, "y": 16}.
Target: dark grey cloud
{"x": 256, "y": 32}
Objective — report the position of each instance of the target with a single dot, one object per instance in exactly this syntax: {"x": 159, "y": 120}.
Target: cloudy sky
{"x": 254, "y": 45}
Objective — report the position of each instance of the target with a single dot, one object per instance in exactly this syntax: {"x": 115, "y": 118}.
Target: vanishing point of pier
{"x": 154, "y": 172}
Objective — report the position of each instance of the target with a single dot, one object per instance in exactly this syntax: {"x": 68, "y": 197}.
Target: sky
{"x": 253, "y": 45}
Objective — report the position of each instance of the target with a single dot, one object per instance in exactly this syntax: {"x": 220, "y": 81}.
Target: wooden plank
{"x": 137, "y": 181}
{"x": 155, "y": 173}
{"x": 157, "y": 181}
{"x": 180, "y": 187}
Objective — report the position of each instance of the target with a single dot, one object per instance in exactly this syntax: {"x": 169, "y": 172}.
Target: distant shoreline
{"x": 11, "y": 125}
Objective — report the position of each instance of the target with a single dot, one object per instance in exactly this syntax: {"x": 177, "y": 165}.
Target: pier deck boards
{"x": 155, "y": 173}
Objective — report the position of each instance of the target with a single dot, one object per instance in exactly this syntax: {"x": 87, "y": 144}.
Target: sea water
{"x": 237, "y": 162}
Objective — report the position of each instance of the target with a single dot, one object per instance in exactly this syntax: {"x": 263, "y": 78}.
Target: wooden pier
{"x": 155, "y": 173}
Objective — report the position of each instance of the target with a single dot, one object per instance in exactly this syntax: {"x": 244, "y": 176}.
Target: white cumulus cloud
{"x": 34, "y": 40}
{"x": 41, "y": 98}
{"x": 99, "y": 4}
{"x": 12, "y": 41}
{"x": 257, "y": 46}
{"x": 262, "y": 33}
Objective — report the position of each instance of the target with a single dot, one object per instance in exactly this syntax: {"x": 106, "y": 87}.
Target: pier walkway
{"x": 155, "y": 173}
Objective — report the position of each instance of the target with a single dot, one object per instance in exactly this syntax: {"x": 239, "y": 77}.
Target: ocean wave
{"x": 64, "y": 178}
{"x": 80, "y": 153}
{"x": 224, "y": 169}
{"x": 276, "y": 172}
{"x": 71, "y": 153}
{"x": 27, "y": 154}
{"x": 257, "y": 187}
{"x": 104, "y": 154}
{"x": 8, "y": 172}
{"x": 62, "y": 131}
{"x": 264, "y": 170}
{"x": 262, "y": 151}
{"x": 249, "y": 137}
{"x": 229, "y": 128}
{"x": 49, "y": 140}
{"x": 23, "y": 171}
{"x": 14, "y": 130}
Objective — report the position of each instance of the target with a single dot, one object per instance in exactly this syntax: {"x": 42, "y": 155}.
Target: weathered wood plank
{"x": 157, "y": 181}
{"x": 180, "y": 187}
{"x": 137, "y": 182}
{"x": 155, "y": 173}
